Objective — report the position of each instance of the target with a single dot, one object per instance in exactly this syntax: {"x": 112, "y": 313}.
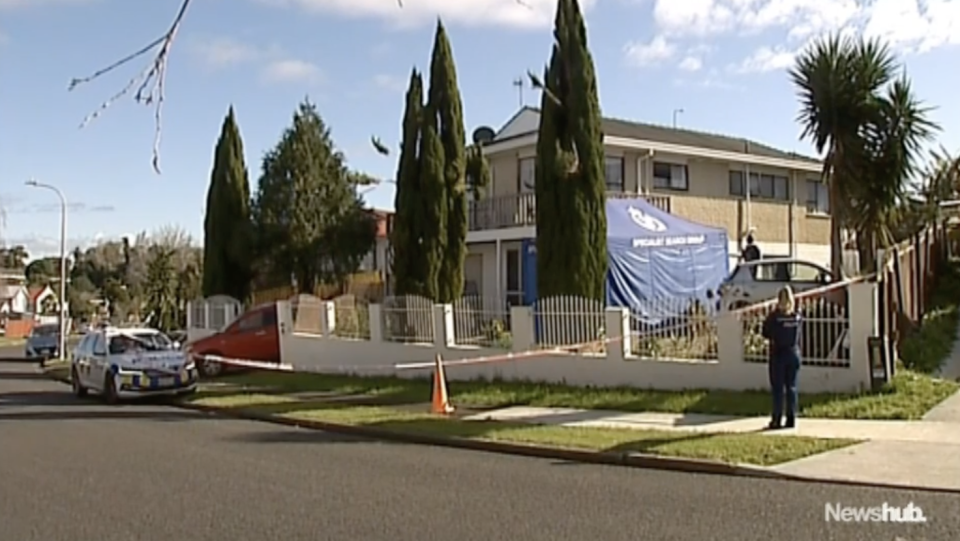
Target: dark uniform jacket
{"x": 783, "y": 332}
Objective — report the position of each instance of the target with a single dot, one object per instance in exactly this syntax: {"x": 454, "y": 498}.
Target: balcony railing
{"x": 520, "y": 210}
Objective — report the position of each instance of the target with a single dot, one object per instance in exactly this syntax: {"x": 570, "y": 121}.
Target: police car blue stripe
{"x": 136, "y": 382}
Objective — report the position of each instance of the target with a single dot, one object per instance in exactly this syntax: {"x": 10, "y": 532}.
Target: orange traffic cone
{"x": 440, "y": 401}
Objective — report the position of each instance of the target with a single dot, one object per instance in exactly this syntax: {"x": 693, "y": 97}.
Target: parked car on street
{"x": 254, "y": 336}
{"x": 43, "y": 342}
{"x": 120, "y": 363}
{"x": 757, "y": 281}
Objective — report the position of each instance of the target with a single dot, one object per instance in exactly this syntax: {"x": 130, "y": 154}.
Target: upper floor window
{"x": 818, "y": 197}
{"x": 762, "y": 186}
{"x": 527, "y": 174}
{"x": 670, "y": 176}
{"x": 613, "y": 170}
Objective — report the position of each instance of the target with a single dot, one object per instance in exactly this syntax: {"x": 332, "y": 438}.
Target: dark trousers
{"x": 783, "y": 385}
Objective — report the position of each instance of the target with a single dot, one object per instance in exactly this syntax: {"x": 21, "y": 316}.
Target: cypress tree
{"x": 446, "y": 112}
{"x": 227, "y": 243}
{"x": 570, "y": 184}
{"x": 409, "y": 262}
{"x": 434, "y": 212}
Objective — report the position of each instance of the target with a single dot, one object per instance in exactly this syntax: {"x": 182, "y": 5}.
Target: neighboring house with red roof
{"x": 43, "y": 300}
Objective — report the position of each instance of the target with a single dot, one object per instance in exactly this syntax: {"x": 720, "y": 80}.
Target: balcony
{"x": 520, "y": 210}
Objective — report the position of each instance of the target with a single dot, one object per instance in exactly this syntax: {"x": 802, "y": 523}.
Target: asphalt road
{"x": 79, "y": 471}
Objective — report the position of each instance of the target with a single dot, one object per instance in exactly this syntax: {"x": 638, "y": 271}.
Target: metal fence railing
{"x": 824, "y": 331}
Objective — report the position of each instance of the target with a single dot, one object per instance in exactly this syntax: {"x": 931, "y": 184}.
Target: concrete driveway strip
{"x": 80, "y": 471}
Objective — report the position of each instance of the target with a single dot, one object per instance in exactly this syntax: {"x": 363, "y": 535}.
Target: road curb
{"x": 633, "y": 460}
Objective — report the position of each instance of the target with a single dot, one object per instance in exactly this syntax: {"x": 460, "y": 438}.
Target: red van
{"x": 254, "y": 336}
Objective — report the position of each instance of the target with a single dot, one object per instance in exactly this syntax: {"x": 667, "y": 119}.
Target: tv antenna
{"x": 518, "y": 82}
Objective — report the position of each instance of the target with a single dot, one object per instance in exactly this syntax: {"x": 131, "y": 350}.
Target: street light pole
{"x": 676, "y": 113}
{"x": 62, "y": 346}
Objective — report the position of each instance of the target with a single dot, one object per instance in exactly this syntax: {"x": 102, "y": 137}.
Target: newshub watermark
{"x": 908, "y": 514}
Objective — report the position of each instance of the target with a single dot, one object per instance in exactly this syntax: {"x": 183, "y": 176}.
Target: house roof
{"x": 628, "y": 129}
{"x": 9, "y": 291}
{"x": 35, "y": 291}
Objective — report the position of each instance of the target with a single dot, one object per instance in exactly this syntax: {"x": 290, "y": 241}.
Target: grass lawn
{"x": 909, "y": 396}
{"x": 751, "y": 448}
{"x": 754, "y": 448}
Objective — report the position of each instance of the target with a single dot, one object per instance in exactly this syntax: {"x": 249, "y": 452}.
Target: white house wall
{"x": 20, "y": 303}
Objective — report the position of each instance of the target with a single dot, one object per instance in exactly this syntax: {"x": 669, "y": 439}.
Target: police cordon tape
{"x": 424, "y": 365}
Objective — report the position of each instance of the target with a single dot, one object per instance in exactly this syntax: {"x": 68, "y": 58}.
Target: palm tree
{"x": 870, "y": 127}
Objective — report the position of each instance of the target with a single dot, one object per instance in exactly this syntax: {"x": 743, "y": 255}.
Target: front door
{"x": 514, "y": 292}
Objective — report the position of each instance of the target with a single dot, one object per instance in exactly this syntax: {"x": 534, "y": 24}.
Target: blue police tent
{"x": 658, "y": 262}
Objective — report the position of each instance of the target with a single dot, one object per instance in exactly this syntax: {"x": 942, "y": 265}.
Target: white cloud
{"x": 648, "y": 54}
{"x": 919, "y": 25}
{"x": 766, "y": 59}
{"x": 292, "y": 70}
{"x": 275, "y": 66}
{"x": 691, "y": 63}
{"x": 526, "y": 14}
{"x": 711, "y": 17}
{"x": 786, "y": 25}
{"x": 43, "y": 246}
{"x": 223, "y": 52}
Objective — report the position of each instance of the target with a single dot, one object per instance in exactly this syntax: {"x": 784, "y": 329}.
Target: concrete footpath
{"x": 922, "y": 454}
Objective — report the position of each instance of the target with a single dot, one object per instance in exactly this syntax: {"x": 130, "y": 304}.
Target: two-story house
{"x": 377, "y": 259}
{"x": 697, "y": 176}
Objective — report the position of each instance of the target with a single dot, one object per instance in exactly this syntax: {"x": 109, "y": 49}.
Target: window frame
{"x": 736, "y": 186}
{"x": 619, "y": 164}
{"x": 802, "y": 264}
{"x": 99, "y": 347}
{"x": 522, "y": 185}
{"x": 814, "y": 205}
{"x": 657, "y": 181}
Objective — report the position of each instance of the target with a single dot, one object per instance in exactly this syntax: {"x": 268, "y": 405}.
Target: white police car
{"x": 120, "y": 363}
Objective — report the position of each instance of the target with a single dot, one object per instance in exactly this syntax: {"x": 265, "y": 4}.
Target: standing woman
{"x": 782, "y": 328}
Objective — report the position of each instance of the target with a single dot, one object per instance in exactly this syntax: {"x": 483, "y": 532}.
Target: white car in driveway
{"x": 121, "y": 363}
{"x": 761, "y": 280}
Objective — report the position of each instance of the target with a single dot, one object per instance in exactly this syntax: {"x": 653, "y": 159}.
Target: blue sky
{"x": 721, "y": 61}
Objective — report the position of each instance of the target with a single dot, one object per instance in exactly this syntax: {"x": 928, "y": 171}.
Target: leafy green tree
{"x": 409, "y": 264}
{"x": 570, "y": 184}
{"x": 14, "y": 258}
{"x": 43, "y": 271}
{"x": 478, "y": 171}
{"x": 445, "y": 115}
{"x": 866, "y": 120}
{"x": 430, "y": 220}
{"x": 80, "y": 295}
{"x": 227, "y": 256}
{"x": 306, "y": 204}
{"x": 161, "y": 291}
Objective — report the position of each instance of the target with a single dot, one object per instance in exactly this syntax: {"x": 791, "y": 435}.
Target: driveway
{"x": 76, "y": 470}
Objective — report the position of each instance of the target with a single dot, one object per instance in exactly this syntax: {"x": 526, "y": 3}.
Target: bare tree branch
{"x": 151, "y": 80}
